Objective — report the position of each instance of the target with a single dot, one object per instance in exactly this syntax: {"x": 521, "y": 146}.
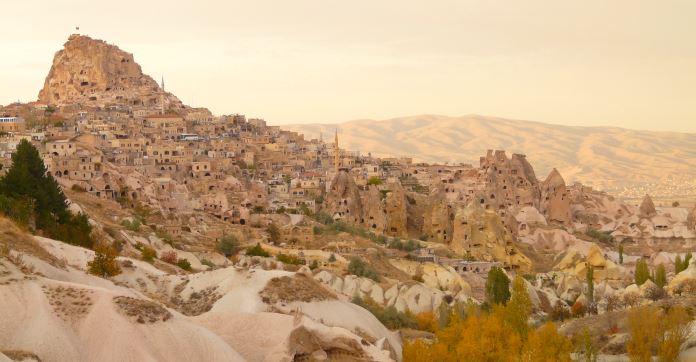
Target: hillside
{"x": 606, "y": 157}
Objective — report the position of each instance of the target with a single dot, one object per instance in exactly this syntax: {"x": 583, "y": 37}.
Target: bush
{"x": 323, "y": 218}
{"x": 184, "y": 264}
{"x": 169, "y": 257}
{"x": 257, "y": 250}
{"x": 228, "y": 245}
{"x": 104, "y": 263}
{"x": 77, "y": 188}
{"x": 332, "y": 258}
{"x": 602, "y": 236}
{"x": 148, "y": 254}
{"x": 374, "y": 180}
{"x": 273, "y": 233}
{"x": 409, "y": 245}
{"x": 131, "y": 225}
{"x": 578, "y": 309}
{"x": 362, "y": 269}
{"x": 313, "y": 265}
{"x": 289, "y": 259}
{"x": 207, "y": 263}
{"x": 389, "y": 316}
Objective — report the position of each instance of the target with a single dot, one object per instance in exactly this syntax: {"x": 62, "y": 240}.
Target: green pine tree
{"x": 27, "y": 178}
{"x": 29, "y": 188}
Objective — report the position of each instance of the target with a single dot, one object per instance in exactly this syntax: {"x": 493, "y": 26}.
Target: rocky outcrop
{"x": 509, "y": 181}
{"x": 415, "y": 297}
{"x": 94, "y": 73}
{"x": 374, "y": 217}
{"x": 480, "y": 233}
{"x": 343, "y": 200}
{"x": 691, "y": 219}
{"x": 555, "y": 202}
{"x": 647, "y": 207}
{"x": 437, "y": 224}
{"x": 577, "y": 259}
{"x": 396, "y": 209}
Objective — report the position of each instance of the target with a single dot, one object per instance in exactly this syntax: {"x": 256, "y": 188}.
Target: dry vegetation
{"x": 142, "y": 311}
{"x": 24, "y": 356}
{"x": 296, "y": 288}
{"x": 198, "y": 302}
{"x": 14, "y": 238}
{"x": 69, "y": 303}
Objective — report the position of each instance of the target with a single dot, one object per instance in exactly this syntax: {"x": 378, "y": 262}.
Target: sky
{"x": 624, "y": 63}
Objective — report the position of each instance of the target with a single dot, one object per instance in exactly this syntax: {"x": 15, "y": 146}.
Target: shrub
{"x": 207, "y": 263}
{"x": 131, "y": 225}
{"x": 273, "y": 233}
{"x": 288, "y": 259}
{"x": 577, "y": 310}
{"x": 332, "y": 258}
{"x": 104, "y": 263}
{"x": 257, "y": 250}
{"x": 77, "y": 188}
{"x": 323, "y": 218}
{"x": 228, "y": 245}
{"x": 169, "y": 257}
{"x": 362, "y": 269}
{"x": 374, "y": 180}
{"x": 313, "y": 265}
{"x": 184, "y": 264}
{"x": 409, "y": 245}
{"x": 602, "y": 236}
{"x": 148, "y": 254}
{"x": 389, "y": 316}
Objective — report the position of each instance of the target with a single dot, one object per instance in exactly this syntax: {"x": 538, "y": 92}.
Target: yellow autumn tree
{"x": 518, "y": 308}
{"x": 547, "y": 345}
{"x": 643, "y": 324}
{"x": 675, "y": 330}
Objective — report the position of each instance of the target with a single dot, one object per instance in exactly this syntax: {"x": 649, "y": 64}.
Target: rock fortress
{"x": 234, "y": 240}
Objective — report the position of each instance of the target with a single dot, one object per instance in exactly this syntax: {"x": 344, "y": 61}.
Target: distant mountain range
{"x": 606, "y": 157}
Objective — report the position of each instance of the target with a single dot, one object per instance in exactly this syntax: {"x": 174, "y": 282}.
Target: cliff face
{"x": 94, "y": 73}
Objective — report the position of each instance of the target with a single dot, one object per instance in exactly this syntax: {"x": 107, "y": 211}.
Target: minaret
{"x": 336, "y": 152}
{"x": 162, "y": 97}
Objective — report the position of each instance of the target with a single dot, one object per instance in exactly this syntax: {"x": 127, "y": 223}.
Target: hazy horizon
{"x": 577, "y": 64}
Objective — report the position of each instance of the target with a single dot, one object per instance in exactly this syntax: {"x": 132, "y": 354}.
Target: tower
{"x": 336, "y": 152}
{"x": 162, "y": 97}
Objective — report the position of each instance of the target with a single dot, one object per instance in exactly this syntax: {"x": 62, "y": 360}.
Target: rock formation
{"x": 396, "y": 208}
{"x": 374, "y": 217}
{"x": 343, "y": 200}
{"x": 481, "y": 234}
{"x": 647, "y": 207}
{"x": 555, "y": 202}
{"x": 437, "y": 224}
{"x": 510, "y": 181}
{"x": 94, "y": 73}
{"x": 691, "y": 219}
